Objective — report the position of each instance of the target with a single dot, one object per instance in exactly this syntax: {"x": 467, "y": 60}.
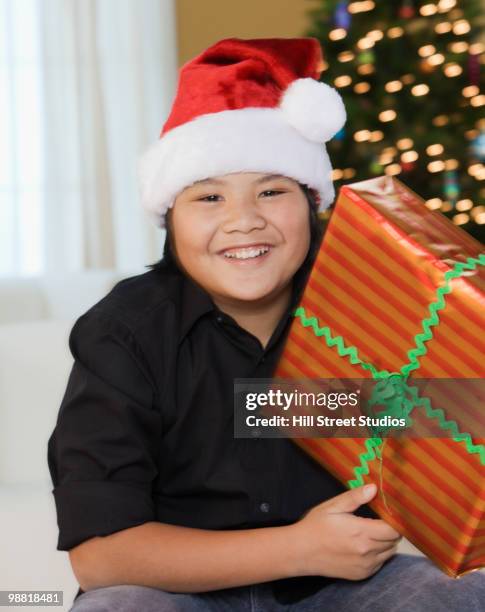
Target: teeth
{"x": 246, "y": 253}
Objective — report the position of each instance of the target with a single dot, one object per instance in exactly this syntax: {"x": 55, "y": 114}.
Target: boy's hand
{"x": 331, "y": 541}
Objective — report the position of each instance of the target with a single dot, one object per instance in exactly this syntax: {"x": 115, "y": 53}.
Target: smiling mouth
{"x": 246, "y": 253}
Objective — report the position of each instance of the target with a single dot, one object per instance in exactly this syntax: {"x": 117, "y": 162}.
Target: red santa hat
{"x": 245, "y": 106}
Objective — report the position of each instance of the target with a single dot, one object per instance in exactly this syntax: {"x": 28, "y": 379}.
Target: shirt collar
{"x": 196, "y": 301}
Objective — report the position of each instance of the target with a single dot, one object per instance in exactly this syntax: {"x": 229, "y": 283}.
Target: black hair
{"x": 317, "y": 229}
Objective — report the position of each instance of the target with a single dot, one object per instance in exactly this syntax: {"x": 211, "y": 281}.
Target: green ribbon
{"x": 392, "y": 387}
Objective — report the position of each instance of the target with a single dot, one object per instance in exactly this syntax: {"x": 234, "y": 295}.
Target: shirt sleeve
{"x": 103, "y": 452}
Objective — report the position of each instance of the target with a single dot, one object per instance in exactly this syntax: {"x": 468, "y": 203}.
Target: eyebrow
{"x": 263, "y": 179}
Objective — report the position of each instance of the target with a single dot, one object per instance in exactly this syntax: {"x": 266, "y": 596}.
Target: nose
{"x": 243, "y": 214}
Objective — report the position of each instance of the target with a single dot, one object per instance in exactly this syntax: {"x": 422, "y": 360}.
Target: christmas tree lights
{"x": 411, "y": 76}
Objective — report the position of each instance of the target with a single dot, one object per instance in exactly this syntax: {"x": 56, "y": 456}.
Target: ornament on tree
{"x": 426, "y": 67}
{"x": 451, "y": 189}
{"x": 340, "y": 135}
{"x": 366, "y": 57}
{"x": 375, "y": 167}
{"x": 418, "y": 26}
{"x": 342, "y": 18}
{"x": 478, "y": 146}
{"x": 474, "y": 69}
{"x": 408, "y": 166}
{"x": 406, "y": 10}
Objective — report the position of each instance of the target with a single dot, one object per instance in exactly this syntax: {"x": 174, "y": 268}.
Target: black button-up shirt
{"x": 145, "y": 428}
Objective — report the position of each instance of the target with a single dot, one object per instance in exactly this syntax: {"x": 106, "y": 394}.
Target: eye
{"x": 271, "y": 192}
{"x": 206, "y": 198}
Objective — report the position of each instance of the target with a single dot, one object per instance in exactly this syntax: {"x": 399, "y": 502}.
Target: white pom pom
{"x": 315, "y": 109}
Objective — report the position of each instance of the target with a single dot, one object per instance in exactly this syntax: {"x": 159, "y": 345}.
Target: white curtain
{"x": 106, "y": 78}
{"x": 20, "y": 138}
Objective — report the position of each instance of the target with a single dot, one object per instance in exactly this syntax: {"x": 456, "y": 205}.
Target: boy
{"x": 159, "y": 506}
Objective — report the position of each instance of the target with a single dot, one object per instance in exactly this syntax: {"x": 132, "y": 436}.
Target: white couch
{"x": 36, "y": 317}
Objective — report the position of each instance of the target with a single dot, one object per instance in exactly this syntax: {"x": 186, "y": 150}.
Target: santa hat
{"x": 245, "y": 106}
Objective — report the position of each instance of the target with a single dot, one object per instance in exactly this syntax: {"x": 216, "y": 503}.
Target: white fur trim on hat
{"x": 243, "y": 140}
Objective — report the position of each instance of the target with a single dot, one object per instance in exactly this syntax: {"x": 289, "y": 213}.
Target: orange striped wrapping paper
{"x": 382, "y": 259}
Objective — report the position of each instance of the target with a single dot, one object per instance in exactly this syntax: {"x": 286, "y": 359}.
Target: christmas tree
{"x": 411, "y": 77}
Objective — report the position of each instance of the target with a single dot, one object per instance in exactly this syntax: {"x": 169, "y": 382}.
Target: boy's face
{"x": 220, "y": 225}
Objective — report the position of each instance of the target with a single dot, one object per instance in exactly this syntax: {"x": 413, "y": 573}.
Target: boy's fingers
{"x": 384, "y": 556}
{"x": 382, "y": 531}
{"x": 383, "y": 547}
{"x": 388, "y": 553}
{"x": 350, "y": 500}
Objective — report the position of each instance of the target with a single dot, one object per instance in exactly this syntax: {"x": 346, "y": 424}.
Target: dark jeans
{"x": 405, "y": 583}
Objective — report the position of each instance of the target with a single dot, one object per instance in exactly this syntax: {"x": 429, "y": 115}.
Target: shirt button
{"x": 219, "y": 319}
{"x": 263, "y": 359}
{"x": 264, "y": 507}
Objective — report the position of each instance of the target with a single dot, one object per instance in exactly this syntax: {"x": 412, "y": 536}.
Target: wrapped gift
{"x": 399, "y": 290}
